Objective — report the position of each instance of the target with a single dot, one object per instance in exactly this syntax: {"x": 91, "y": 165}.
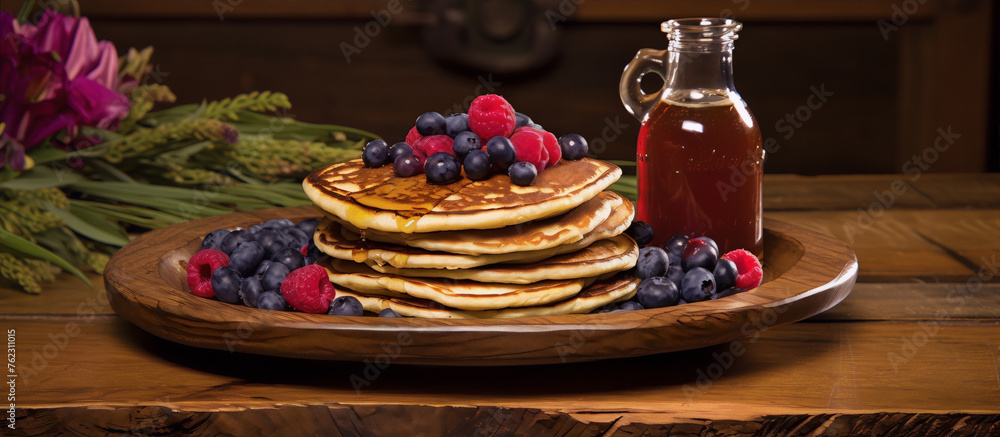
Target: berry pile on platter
{"x": 269, "y": 266}
{"x": 491, "y": 138}
{"x": 687, "y": 269}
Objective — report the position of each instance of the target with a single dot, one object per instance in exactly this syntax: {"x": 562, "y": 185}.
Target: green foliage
{"x": 75, "y": 208}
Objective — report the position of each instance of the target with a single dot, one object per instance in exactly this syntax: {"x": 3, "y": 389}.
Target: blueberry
{"x": 262, "y": 268}
{"x": 346, "y": 306}
{"x": 253, "y": 230}
{"x": 699, "y": 254}
{"x": 271, "y": 300}
{"x": 389, "y": 313}
{"x": 534, "y": 125}
{"x": 226, "y": 284}
{"x": 657, "y": 292}
{"x": 407, "y": 165}
{"x": 710, "y": 242}
{"x": 375, "y": 154}
{"x": 466, "y": 142}
{"x": 574, "y": 147}
{"x": 246, "y": 257}
{"x": 725, "y": 274}
{"x": 250, "y": 290}
{"x": 698, "y": 285}
{"x": 291, "y": 258}
{"x": 308, "y": 226}
{"x": 641, "y": 232}
{"x": 477, "y": 165}
{"x": 675, "y": 274}
{"x": 277, "y": 224}
{"x": 442, "y": 168}
{"x": 728, "y": 292}
{"x": 631, "y": 305}
{"x": 274, "y": 275}
{"x": 501, "y": 152}
{"x": 272, "y": 241}
{"x": 234, "y": 239}
{"x": 522, "y": 173}
{"x": 296, "y": 238}
{"x": 522, "y": 120}
{"x": 431, "y": 123}
{"x": 214, "y": 239}
{"x": 676, "y": 244}
{"x": 652, "y": 262}
{"x": 456, "y": 124}
{"x": 675, "y": 260}
{"x": 399, "y": 149}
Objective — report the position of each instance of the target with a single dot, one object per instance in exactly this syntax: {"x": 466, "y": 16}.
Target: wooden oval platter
{"x": 805, "y": 273}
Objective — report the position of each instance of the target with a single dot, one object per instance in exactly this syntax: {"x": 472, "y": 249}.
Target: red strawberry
{"x": 748, "y": 266}
{"x": 308, "y": 289}
{"x": 427, "y": 146}
{"x": 412, "y": 136}
{"x": 551, "y": 145}
{"x": 530, "y": 146}
{"x": 200, "y": 268}
{"x": 490, "y": 115}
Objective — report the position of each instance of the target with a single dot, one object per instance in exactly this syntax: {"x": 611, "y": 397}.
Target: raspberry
{"x": 490, "y": 115}
{"x": 427, "y": 146}
{"x": 412, "y": 136}
{"x": 551, "y": 144}
{"x": 200, "y": 268}
{"x": 748, "y": 266}
{"x": 308, "y": 289}
{"x": 529, "y": 146}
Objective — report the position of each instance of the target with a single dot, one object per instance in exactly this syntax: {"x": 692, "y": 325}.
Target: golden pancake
{"x": 465, "y": 295}
{"x": 376, "y": 199}
{"x": 330, "y": 239}
{"x": 540, "y": 234}
{"x": 604, "y": 256}
{"x": 594, "y": 296}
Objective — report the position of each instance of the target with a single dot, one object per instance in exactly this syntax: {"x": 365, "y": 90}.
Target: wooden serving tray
{"x": 805, "y": 273}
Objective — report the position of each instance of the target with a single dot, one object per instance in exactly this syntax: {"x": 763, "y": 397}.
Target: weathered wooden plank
{"x": 339, "y": 420}
{"x": 66, "y": 296}
{"x": 784, "y": 192}
{"x": 902, "y": 301}
{"x": 798, "y": 369}
{"x": 943, "y": 245}
{"x": 958, "y": 190}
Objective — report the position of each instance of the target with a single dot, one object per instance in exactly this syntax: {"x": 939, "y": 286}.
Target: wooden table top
{"x": 913, "y": 350}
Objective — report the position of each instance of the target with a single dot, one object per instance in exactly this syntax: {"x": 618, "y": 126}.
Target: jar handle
{"x": 637, "y": 102}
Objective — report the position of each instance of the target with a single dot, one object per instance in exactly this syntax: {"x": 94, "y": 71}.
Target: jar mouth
{"x": 702, "y": 29}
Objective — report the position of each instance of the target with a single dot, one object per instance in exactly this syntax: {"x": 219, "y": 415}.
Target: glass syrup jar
{"x": 699, "y": 154}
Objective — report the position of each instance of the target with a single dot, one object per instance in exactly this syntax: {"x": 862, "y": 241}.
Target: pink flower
{"x": 55, "y": 76}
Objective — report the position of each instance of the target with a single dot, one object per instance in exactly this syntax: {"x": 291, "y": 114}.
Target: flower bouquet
{"x": 85, "y": 161}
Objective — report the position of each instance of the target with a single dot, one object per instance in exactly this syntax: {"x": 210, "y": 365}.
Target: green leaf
{"x": 136, "y": 215}
{"x": 89, "y": 225}
{"x": 47, "y": 153}
{"x": 43, "y": 177}
{"x": 13, "y": 243}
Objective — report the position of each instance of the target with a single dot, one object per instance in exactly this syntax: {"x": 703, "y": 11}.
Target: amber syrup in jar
{"x": 699, "y": 155}
{"x": 699, "y": 169}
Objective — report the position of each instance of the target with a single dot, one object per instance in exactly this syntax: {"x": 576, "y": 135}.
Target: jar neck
{"x": 699, "y": 71}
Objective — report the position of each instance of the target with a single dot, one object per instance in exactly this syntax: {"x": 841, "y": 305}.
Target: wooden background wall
{"x": 892, "y": 89}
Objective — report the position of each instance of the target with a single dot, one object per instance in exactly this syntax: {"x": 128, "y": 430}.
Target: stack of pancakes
{"x": 483, "y": 249}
